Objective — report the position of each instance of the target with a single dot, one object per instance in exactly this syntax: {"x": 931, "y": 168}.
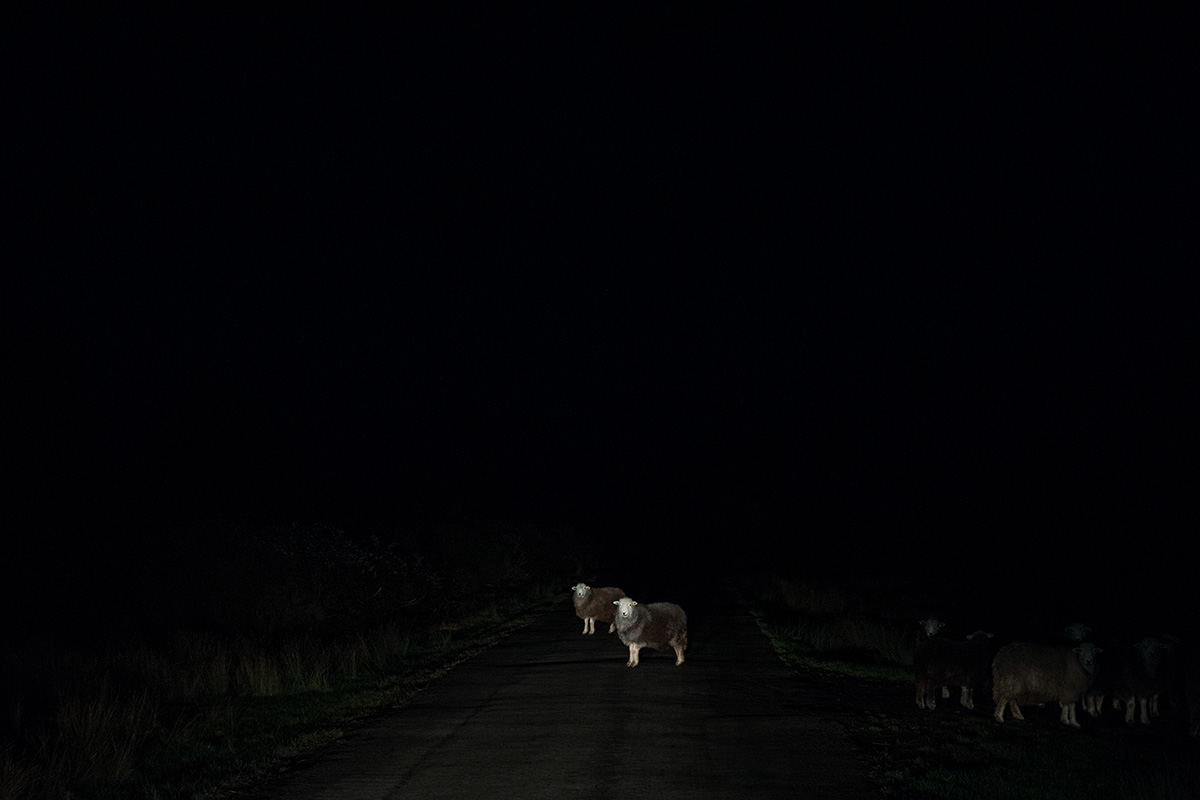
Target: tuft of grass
{"x": 97, "y": 739}
{"x": 18, "y": 778}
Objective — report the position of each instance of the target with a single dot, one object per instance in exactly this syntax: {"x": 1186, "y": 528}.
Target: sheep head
{"x": 625, "y": 607}
{"x": 1087, "y": 653}
{"x": 1077, "y": 632}
{"x": 1149, "y": 649}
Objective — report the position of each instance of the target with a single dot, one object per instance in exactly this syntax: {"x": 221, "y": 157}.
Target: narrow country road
{"x": 551, "y": 713}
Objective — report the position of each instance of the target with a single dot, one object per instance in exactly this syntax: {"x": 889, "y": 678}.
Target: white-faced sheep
{"x": 596, "y": 603}
{"x": 940, "y": 662}
{"x": 659, "y": 626}
{"x": 1037, "y": 673}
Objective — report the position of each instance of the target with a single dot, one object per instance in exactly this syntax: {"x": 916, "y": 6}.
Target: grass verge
{"x": 223, "y": 715}
{"x": 952, "y": 752}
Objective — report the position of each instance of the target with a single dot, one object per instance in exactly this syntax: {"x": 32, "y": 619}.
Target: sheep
{"x": 951, "y": 662}
{"x": 1136, "y": 682}
{"x": 1077, "y": 633}
{"x": 929, "y": 628}
{"x": 1092, "y": 701}
{"x": 655, "y": 625}
{"x": 593, "y": 604}
{"x": 1036, "y": 673}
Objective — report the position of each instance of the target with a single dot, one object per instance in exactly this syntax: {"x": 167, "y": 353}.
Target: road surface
{"x": 550, "y": 713}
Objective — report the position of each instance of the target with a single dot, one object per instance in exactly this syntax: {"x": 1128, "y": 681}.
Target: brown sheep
{"x": 593, "y": 604}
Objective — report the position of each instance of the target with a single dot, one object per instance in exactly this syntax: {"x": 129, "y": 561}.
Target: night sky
{"x": 872, "y": 277}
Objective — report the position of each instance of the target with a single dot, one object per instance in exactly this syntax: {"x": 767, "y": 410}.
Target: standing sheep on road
{"x": 593, "y": 604}
{"x": 929, "y": 629}
{"x": 1036, "y": 673}
{"x": 940, "y": 662}
{"x": 659, "y": 626}
{"x": 1137, "y": 683}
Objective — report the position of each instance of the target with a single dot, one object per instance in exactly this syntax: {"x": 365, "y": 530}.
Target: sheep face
{"x": 931, "y": 626}
{"x": 624, "y": 607}
{"x": 581, "y": 590}
{"x": 1087, "y": 653}
{"x": 1150, "y": 651}
{"x": 1078, "y": 632}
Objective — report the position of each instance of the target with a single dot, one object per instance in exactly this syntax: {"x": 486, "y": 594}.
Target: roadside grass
{"x": 207, "y": 736}
{"x": 952, "y": 752}
{"x": 244, "y": 741}
{"x": 309, "y": 637}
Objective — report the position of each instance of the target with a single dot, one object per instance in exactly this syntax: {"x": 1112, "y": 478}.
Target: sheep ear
{"x": 633, "y": 602}
{"x": 616, "y": 602}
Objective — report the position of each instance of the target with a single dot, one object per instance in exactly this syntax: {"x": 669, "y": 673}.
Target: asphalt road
{"x": 548, "y": 712}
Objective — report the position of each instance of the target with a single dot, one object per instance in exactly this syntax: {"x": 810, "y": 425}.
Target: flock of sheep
{"x": 659, "y": 626}
{"x": 1080, "y": 670}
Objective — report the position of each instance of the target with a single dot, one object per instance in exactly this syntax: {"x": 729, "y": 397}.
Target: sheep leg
{"x": 1016, "y": 710}
{"x": 999, "y": 712}
{"x": 945, "y": 692}
{"x": 678, "y": 655}
{"x": 967, "y": 698}
{"x": 633, "y": 655}
{"x": 1068, "y": 715}
{"x": 585, "y": 622}
{"x": 612, "y": 626}
{"x": 920, "y": 695}
{"x": 1130, "y": 708}
{"x": 1143, "y": 712}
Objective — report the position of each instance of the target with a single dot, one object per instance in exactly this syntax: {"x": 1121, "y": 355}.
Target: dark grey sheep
{"x": 929, "y": 629}
{"x": 659, "y": 626}
{"x": 1077, "y": 633}
{"x": 941, "y": 662}
{"x": 1136, "y": 683}
{"x": 593, "y": 604}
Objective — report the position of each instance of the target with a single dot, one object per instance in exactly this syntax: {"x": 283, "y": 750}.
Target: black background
{"x": 878, "y": 285}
